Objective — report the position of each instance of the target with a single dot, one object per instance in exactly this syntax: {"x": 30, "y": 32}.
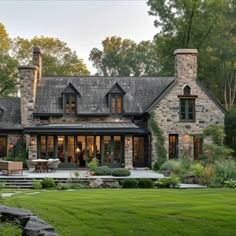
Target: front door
{"x": 112, "y": 151}
{"x": 3, "y": 146}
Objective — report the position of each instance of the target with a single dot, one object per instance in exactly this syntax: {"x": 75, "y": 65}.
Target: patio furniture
{"x": 53, "y": 165}
{"x": 11, "y": 167}
{"x": 31, "y": 165}
{"x": 40, "y": 165}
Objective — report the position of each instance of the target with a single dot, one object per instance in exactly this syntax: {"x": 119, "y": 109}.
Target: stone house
{"x": 78, "y": 118}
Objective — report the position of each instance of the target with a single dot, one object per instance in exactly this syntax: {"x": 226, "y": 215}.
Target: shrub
{"x": 102, "y": 170}
{"x": 48, "y": 183}
{"x": 130, "y": 183}
{"x": 197, "y": 169}
{"x": 145, "y": 183}
{"x": 156, "y": 166}
{"x": 172, "y": 165}
{"x": 170, "y": 182}
{"x": 92, "y": 165}
{"x": 121, "y": 172}
{"x": 230, "y": 183}
{"x": 37, "y": 185}
{"x": 225, "y": 170}
{"x": 63, "y": 186}
{"x": 208, "y": 175}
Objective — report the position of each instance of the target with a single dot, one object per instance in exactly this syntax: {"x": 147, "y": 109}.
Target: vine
{"x": 159, "y": 144}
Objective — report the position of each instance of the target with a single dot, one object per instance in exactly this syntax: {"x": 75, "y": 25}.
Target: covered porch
{"x": 117, "y": 144}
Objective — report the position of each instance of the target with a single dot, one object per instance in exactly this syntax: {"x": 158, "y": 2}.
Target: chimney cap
{"x": 27, "y": 67}
{"x": 186, "y": 51}
{"x": 36, "y": 50}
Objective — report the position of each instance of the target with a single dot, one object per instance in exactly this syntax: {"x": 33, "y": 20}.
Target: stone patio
{"x": 84, "y": 174}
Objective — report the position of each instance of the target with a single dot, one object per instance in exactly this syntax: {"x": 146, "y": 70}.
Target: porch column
{"x": 32, "y": 147}
{"x": 128, "y": 152}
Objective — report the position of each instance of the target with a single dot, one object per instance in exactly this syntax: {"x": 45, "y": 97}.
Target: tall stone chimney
{"x": 28, "y": 83}
{"x": 37, "y": 61}
{"x": 185, "y": 64}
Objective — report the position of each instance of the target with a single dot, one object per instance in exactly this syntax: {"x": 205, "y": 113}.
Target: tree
{"x": 207, "y": 25}
{"x": 8, "y": 65}
{"x": 124, "y": 57}
{"x": 5, "y": 41}
{"x": 230, "y": 129}
{"x": 58, "y": 58}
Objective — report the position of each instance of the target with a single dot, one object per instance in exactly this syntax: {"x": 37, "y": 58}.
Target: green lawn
{"x": 135, "y": 211}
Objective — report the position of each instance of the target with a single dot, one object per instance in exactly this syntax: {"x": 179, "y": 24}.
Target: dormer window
{"x": 115, "y": 99}
{"x": 70, "y": 104}
{"x": 116, "y": 104}
{"x": 70, "y": 100}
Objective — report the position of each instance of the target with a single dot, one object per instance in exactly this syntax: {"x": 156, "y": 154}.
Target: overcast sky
{"x": 82, "y": 24}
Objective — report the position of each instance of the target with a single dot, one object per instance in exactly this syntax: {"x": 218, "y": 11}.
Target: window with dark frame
{"x": 187, "y": 109}
{"x": 70, "y": 104}
{"x": 198, "y": 147}
{"x": 116, "y": 104}
{"x": 187, "y": 105}
{"x": 173, "y": 146}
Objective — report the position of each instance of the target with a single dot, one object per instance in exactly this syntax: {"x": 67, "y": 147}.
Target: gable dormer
{"x": 70, "y": 97}
{"x": 116, "y": 99}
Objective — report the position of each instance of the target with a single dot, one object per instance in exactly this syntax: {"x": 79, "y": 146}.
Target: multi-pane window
{"x": 173, "y": 146}
{"x": 187, "y": 109}
{"x": 116, "y": 104}
{"x": 70, "y": 104}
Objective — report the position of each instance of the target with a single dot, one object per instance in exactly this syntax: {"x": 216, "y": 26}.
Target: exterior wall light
{"x": 33, "y": 142}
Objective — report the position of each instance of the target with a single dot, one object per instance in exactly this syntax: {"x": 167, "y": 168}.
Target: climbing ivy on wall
{"x": 159, "y": 142}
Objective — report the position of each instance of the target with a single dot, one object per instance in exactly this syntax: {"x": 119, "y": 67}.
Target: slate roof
{"x": 10, "y": 117}
{"x": 88, "y": 128}
{"x": 140, "y": 92}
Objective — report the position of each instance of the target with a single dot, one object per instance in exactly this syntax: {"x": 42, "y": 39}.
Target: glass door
{"x": 140, "y": 152}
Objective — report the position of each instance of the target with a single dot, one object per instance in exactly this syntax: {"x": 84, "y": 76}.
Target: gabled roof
{"x": 70, "y": 89}
{"x": 140, "y": 92}
{"x": 116, "y": 89}
{"x": 10, "y": 118}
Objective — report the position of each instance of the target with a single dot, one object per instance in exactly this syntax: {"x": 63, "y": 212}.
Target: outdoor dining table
{"x": 41, "y": 165}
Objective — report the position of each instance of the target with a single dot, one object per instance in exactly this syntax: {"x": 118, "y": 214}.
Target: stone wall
{"x": 167, "y": 111}
{"x": 28, "y": 81}
{"x": 128, "y": 152}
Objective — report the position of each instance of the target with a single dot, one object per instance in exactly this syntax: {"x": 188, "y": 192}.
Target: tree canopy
{"x": 124, "y": 57}
{"x": 209, "y": 26}
{"x": 58, "y": 58}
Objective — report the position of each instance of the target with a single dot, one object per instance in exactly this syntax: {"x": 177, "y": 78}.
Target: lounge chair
{"x": 53, "y": 165}
{"x": 31, "y": 165}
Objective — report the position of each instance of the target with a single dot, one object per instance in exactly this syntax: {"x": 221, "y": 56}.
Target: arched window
{"x": 187, "y": 90}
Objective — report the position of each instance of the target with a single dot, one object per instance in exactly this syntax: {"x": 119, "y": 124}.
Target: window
{"x": 116, "y": 104}
{"x": 70, "y": 104}
{"x": 173, "y": 146}
{"x": 3, "y": 146}
{"x": 187, "y": 109}
{"x": 187, "y": 91}
{"x": 198, "y": 147}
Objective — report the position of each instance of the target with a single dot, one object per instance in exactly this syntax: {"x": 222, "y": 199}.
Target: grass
{"x": 7, "y": 229}
{"x": 135, "y": 211}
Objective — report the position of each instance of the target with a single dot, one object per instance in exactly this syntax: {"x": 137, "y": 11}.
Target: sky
{"x": 82, "y": 24}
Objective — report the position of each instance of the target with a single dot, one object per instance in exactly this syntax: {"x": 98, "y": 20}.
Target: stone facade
{"x": 167, "y": 111}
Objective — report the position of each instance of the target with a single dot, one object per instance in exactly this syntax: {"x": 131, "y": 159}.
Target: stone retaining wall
{"x": 31, "y": 224}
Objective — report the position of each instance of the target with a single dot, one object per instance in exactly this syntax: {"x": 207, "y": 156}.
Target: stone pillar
{"x": 185, "y": 64}
{"x": 32, "y": 147}
{"x": 28, "y": 82}
{"x": 37, "y": 61}
{"x": 128, "y": 152}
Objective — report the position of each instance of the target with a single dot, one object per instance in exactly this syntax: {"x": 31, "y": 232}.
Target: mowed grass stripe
{"x": 135, "y": 211}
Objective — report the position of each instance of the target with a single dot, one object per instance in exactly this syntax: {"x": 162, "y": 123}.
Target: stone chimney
{"x": 28, "y": 83}
{"x": 185, "y": 64}
{"x": 37, "y": 61}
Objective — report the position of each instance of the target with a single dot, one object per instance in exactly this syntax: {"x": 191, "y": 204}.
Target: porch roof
{"x": 88, "y": 128}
